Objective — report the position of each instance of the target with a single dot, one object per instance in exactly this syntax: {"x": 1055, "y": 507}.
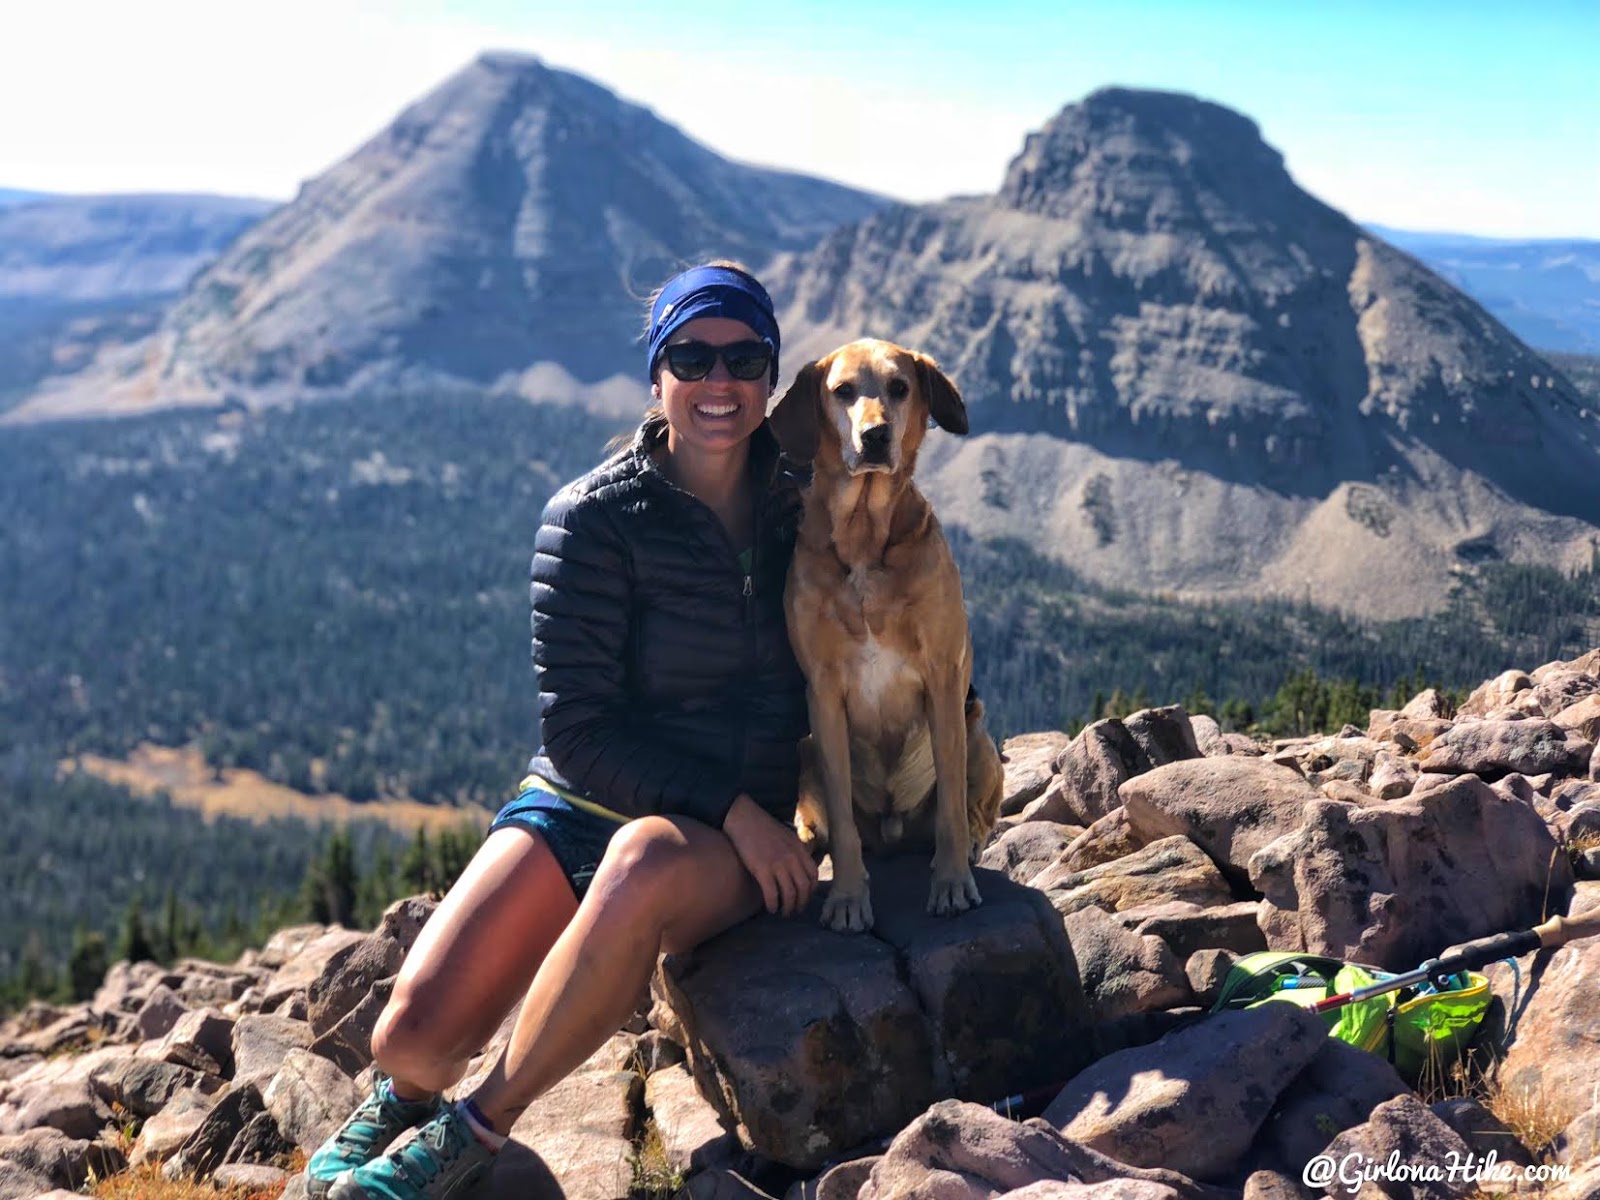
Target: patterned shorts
{"x": 576, "y": 837}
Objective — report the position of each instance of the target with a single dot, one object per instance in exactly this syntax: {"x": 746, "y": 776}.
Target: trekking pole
{"x": 1557, "y": 931}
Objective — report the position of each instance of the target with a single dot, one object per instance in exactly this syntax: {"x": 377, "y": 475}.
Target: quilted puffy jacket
{"x": 666, "y": 679}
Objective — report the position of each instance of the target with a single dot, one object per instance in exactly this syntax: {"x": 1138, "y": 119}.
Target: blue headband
{"x": 712, "y": 292}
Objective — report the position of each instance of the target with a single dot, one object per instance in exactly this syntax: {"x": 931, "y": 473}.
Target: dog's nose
{"x": 875, "y": 441}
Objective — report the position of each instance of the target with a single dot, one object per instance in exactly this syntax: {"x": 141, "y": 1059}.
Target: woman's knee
{"x": 410, "y": 1039}
{"x": 645, "y": 856}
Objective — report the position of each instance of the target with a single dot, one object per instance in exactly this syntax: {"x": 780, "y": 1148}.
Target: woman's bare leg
{"x": 666, "y": 884}
{"x": 472, "y": 961}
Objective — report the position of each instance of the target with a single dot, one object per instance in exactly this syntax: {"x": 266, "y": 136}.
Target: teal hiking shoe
{"x": 366, "y": 1133}
{"x": 444, "y": 1161}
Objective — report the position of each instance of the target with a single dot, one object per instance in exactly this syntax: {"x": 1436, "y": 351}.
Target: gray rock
{"x": 1194, "y": 1101}
{"x": 1404, "y": 1127}
{"x": 260, "y": 1142}
{"x": 63, "y": 1093}
{"x": 1492, "y": 748}
{"x": 1173, "y": 868}
{"x": 159, "y": 1013}
{"x": 1099, "y": 760}
{"x": 1022, "y": 851}
{"x": 1163, "y": 735}
{"x": 574, "y": 1142}
{"x": 300, "y": 955}
{"x": 692, "y": 1134}
{"x": 657, "y": 1052}
{"x": 1122, "y": 972}
{"x": 174, "y": 1125}
{"x": 1229, "y": 807}
{"x": 1365, "y": 884}
{"x": 309, "y": 1098}
{"x": 260, "y": 1044}
{"x": 1428, "y": 704}
{"x": 349, "y": 1043}
{"x": 1393, "y": 776}
{"x": 1495, "y": 693}
{"x": 1188, "y": 928}
{"x": 146, "y": 1085}
{"x": 1337, "y": 1091}
{"x": 204, "y": 1150}
{"x": 1206, "y": 970}
{"x": 202, "y": 1040}
{"x": 248, "y": 1177}
{"x": 349, "y": 975}
{"x": 1581, "y": 718}
{"x": 1208, "y": 737}
{"x": 41, "y": 1159}
{"x": 1030, "y": 764}
{"x": 1107, "y": 839}
{"x": 1482, "y": 1131}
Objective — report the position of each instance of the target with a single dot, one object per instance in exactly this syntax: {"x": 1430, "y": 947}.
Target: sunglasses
{"x": 689, "y": 361}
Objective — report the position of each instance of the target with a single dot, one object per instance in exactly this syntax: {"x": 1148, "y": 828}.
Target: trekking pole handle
{"x": 1558, "y": 931}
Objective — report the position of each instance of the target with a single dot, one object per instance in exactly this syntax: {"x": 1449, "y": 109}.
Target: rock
{"x": 813, "y": 1043}
{"x": 1393, "y": 776}
{"x": 810, "y": 1039}
{"x": 202, "y": 1040}
{"x": 1108, "y": 839}
{"x": 719, "y": 1183}
{"x": 1022, "y": 851}
{"x": 1560, "y": 690}
{"x": 66, "y": 1094}
{"x": 843, "y": 1182}
{"x": 1193, "y": 1101}
{"x": 577, "y": 1137}
{"x": 159, "y": 1013}
{"x": 348, "y": 976}
{"x": 260, "y": 1044}
{"x": 349, "y": 1043}
{"x": 1229, "y": 807}
{"x": 1206, "y": 970}
{"x": 1057, "y": 805}
{"x": 1496, "y": 693}
{"x": 126, "y": 987}
{"x": 309, "y": 1098}
{"x": 1581, "y": 718}
{"x": 1393, "y": 884}
{"x": 1187, "y": 928}
{"x": 204, "y": 1150}
{"x": 203, "y": 983}
{"x": 259, "y": 1142}
{"x": 692, "y": 1135}
{"x": 1482, "y": 1131}
{"x": 1549, "y": 1061}
{"x": 964, "y": 1150}
{"x": 1492, "y": 748}
{"x": 657, "y": 1051}
{"x": 1030, "y": 764}
{"x": 1122, "y": 972}
{"x": 1163, "y": 735}
{"x": 1410, "y": 736}
{"x": 1428, "y": 704}
{"x": 173, "y": 1125}
{"x": 1403, "y": 1127}
{"x": 1173, "y": 868}
{"x": 1098, "y": 761}
{"x": 1208, "y": 736}
{"x": 300, "y": 957}
{"x": 41, "y": 1159}
{"x": 145, "y": 1086}
{"x": 1337, "y": 1091}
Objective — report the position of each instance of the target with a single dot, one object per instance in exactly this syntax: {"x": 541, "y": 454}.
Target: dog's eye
{"x": 898, "y": 389}
{"x": 845, "y": 392}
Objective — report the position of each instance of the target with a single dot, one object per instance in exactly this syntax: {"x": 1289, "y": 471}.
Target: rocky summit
{"x": 1191, "y": 375}
{"x": 503, "y": 230}
{"x": 1135, "y": 862}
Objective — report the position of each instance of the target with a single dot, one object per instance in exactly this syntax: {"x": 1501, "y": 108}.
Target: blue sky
{"x": 1482, "y": 117}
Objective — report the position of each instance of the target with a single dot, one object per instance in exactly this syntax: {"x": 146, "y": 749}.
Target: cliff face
{"x": 1205, "y": 378}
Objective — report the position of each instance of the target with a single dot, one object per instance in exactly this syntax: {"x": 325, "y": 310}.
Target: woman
{"x": 658, "y": 810}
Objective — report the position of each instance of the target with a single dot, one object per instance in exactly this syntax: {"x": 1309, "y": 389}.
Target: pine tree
{"x": 135, "y": 942}
{"x": 87, "y": 964}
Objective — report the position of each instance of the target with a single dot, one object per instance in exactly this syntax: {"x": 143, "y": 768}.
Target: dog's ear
{"x": 794, "y": 420}
{"x": 944, "y": 401}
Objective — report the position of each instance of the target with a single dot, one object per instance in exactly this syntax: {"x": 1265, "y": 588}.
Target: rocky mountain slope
{"x": 1137, "y": 862}
{"x": 501, "y": 231}
{"x": 1545, "y": 290}
{"x": 1193, "y": 376}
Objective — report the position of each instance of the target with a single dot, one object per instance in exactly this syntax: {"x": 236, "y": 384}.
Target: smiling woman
{"x": 659, "y": 809}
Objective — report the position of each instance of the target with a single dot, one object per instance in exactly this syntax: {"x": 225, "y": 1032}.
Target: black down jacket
{"x": 666, "y": 680}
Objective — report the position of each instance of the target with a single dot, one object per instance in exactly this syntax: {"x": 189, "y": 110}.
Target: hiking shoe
{"x": 366, "y": 1133}
{"x": 443, "y": 1161}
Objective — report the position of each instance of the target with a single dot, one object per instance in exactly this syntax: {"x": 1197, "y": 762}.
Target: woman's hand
{"x": 773, "y": 854}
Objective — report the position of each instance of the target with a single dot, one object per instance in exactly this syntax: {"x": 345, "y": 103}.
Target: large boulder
{"x": 309, "y": 1098}
{"x": 1193, "y": 1101}
{"x": 67, "y": 1094}
{"x": 41, "y": 1159}
{"x": 1396, "y": 883}
{"x": 1123, "y": 972}
{"x": 1406, "y": 1131}
{"x": 348, "y": 974}
{"x": 1229, "y": 807}
{"x": 1022, "y": 851}
{"x": 1493, "y": 748}
{"x": 1189, "y": 928}
{"x": 261, "y": 1042}
{"x": 1030, "y": 763}
{"x": 811, "y": 1043}
{"x": 1094, "y": 766}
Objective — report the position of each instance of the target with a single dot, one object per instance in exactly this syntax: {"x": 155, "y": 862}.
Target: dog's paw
{"x": 846, "y": 911}
{"x": 953, "y": 895}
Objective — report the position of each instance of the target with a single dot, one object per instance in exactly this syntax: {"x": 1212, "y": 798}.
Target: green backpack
{"x": 1418, "y": 1030}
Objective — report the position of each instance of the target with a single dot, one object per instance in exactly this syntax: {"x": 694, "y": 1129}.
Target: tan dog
{"x": 898, "y": 749}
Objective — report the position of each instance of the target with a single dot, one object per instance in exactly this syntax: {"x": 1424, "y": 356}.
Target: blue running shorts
{"x": 576, "y": 836}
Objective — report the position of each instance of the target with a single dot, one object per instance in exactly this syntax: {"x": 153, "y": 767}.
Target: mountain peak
{"x": 1145, "y": 160}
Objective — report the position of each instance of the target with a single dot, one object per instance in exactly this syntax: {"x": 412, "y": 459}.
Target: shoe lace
{"x": 433, "y": 1150}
